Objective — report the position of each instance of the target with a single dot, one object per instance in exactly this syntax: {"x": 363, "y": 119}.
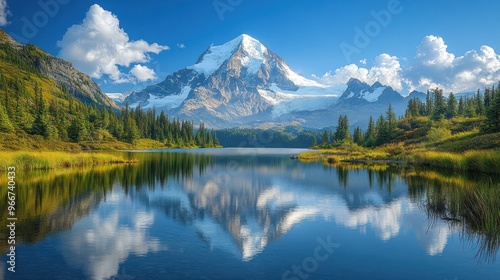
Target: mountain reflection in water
{"x": 241, "y": 203}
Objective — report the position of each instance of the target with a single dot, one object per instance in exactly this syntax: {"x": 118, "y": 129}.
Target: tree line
{"x": 68, "y": 119}
{"x": 483, "y": 106}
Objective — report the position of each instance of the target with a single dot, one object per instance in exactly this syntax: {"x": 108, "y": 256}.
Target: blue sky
{"x": 156, "y": 38}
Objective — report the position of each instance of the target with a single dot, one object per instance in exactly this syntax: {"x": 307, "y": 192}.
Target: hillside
{"x": 46, "y": 104}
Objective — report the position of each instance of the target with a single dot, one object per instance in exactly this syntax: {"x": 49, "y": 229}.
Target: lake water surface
{"x": 251, "y": 214}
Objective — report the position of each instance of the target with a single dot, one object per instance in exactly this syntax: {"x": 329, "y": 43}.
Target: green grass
{"x": 472, "y": 208}
{"x": 487, "y": 161}
{"x": 346, "y": 152}
{"x": 50, "y": 160}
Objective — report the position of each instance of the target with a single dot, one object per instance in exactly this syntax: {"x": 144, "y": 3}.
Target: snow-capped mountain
{"x": 238, "y": 83}
{"x": 243, "y": 83}
{"x": 359, "y": 92}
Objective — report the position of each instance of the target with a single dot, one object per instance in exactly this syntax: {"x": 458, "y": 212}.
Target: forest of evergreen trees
{"x": 483, "y": 108}
{"x": 33, "y": 104}
{"x": 68, "y": 119}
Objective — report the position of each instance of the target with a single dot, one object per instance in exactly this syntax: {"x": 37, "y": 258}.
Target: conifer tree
{"x": 480, "y": 110}
{"x": 5, "y": 123}
{"x": 451, "y": 110}
{"x": 326, "y": 139}
{"x": 342, "y": 133}
{"x": 391, "y": 123}
{"x": 40, "y": 124}
{"x": 358, "y": 136}
{"x": 461, "y": 106}
{"x": 492, "y": 122}
{"x": 439, "y": 109}
{"x": 429, "y": 104}
{"x": 370, "y": 136}
{"x": 132, "y": 133}
{"x": 382, "y": 131}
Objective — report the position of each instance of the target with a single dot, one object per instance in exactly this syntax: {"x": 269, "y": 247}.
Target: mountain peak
{"x": 246, "y": 38}
{"x": 213, "y": 58}
{"x": 376, "y": 85}
{"x": 355, "y": 81}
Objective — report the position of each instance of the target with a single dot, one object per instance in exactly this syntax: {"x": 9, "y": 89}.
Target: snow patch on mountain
{"x": 373, "y": 96}
{"x": 167, "y": 102}
{"x": 306, "y": 98}
{"x": 256, "y": 54}
{"x": 299, "y": 80}
{"x": 215, "y": 57}
{"x": 116, "y": 96}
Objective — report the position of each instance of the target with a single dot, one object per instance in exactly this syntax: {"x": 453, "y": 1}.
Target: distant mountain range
{"x": 237, "y": 84}
{"x": 244, "y": 84}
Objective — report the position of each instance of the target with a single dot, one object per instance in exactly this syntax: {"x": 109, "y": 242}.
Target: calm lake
{"x": 251, "y": 214}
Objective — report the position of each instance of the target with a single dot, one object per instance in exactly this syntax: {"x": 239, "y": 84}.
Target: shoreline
{"x": 44, "y": 160}
{"x": 484, "y": 161}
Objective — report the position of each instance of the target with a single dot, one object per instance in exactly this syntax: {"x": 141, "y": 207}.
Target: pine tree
{"x": 326, "y": 139}
{"x": 358, "y": 136}
{"x": 487, "y": 98}
{"x": 370, "y": 136}
{"x": 439, "y": 110}
{"x": 492, "y": 122}
{"x": 5, "y": 123}
{"x": 315, "y": 142}
{"x": 461, "y": 106}
{"x": 40, "y": 124}
{"x": 480, "y": 110}
{"x": 470, "y": 108}
{"x": 132, "y": 133}
{"x": 382, "y": 131}
{"x": 451, "y": 110}
{"x": 391, "y": 123}
{"x": 413, "y": 108}
{"x": 342, "y": 132}
{"x": 429, "y": 104}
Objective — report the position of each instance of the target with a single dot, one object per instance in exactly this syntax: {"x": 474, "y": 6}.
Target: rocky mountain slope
{"x": 244, "y": 84}
{"x": 31, "y": 58}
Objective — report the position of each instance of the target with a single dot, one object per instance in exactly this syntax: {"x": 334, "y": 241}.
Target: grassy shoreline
{"x": 36, "y": 160}
{"x": 485, "y": 161}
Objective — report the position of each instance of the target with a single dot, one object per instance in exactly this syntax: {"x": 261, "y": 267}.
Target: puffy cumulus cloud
{"x": 100, "y": 243}
{"x": 386, "y": 69}
{"x": 143, "y": 73}
{"x": 4, "y": 12}
{"x": 433, "y": 66}
{"x": 98, "y": 46}
{"x": 433, "y": 52}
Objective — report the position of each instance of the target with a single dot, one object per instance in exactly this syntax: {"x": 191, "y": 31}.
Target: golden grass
{"x": 487, "y": 161}
{"x": 482, "y": 160}
{"x": 49, "y": 160}
{"x": 344, "y": 153}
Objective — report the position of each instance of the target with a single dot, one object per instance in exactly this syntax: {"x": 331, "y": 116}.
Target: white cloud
{"x": 98, "y": 46}
{"x": 386, "y": 70}
{"x": 433, "y": 52}
{"x": 181, "y": 46}
{"x": 433, "y": 66}
{"x": 4, "y": 12}
{"x": 100, "y": 243}
{"x": 143, "y": 73}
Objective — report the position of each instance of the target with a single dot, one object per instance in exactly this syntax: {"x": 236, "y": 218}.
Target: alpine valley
{"x": 244, "y": 84}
